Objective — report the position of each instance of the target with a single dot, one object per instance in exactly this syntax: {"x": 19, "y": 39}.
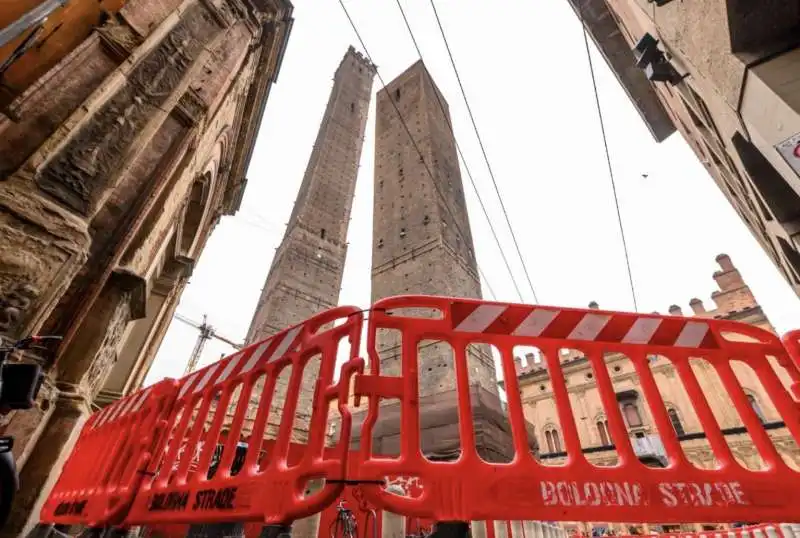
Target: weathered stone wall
{"x": 117, "y": 164}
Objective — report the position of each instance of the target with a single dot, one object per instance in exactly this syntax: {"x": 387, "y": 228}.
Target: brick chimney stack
{"x": 518, "y": 364}
{"x": 675, "y": 310}
{"x": 593, "y": 305}
{"x": 728, "y": 278}
{"x": 697, "y": 306}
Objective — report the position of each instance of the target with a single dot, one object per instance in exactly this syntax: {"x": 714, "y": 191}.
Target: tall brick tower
{"x": 423, "y": 244}
{"x": 306, "y": 273}
{"x": 422, "y": 238}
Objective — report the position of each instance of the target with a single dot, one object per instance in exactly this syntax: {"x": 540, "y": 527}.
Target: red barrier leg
{"x": 276, "y": 531}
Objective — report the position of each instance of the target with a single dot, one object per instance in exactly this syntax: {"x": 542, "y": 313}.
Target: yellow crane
{"x": 207, "y": 332}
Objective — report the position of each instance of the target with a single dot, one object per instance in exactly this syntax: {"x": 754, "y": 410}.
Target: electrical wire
{"x": 483, "y": 148}
{"x": 608, "y": 157}
{"x": 464, "y": 162}
{"x": 408, "y": 131}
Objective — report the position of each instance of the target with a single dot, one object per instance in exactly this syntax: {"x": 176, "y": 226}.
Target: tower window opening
{"x": 402, "y": 232}
{"x": 397, "y": 94}
{"x": 352, "y": 107}
{"x": 322, "y": 233}
{"x": 426, "y": 220}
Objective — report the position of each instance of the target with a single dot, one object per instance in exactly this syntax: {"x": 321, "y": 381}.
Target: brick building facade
{"x": 126, "y": 131}
{"x": 733, "y": 301}
{"x": 726, "y": 75}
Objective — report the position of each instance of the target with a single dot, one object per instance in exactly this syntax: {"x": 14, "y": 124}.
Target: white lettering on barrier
{"x": 670, "y": 494}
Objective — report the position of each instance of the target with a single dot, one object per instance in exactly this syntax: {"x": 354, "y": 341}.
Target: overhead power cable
{"x": 480, "y": 142}
{"x": 410, "y": 136}
{"x": 464, "y": 162}
{"x": 608, "y": 157}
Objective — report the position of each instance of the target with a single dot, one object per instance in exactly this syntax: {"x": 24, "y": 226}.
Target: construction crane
{"x": 207, "y": 332}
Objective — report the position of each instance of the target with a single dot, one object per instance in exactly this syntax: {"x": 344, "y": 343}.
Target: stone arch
{"x": 194, "y": 213}
{"x": 202, "y": 197}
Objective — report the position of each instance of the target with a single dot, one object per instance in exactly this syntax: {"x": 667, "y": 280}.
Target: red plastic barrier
{"x": 269, "y": 490}
{"x": 472, "y": 489}
{"x": 101, "y": 476}
{"x": 762, "y": 530}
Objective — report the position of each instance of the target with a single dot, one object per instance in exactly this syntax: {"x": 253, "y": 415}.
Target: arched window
{"x": 676, "y": 421}
{"x": 195, "y": 209}
{"x": 756, "y": 407}
{"x": 552, "y": 439}
{"x": 632, "y": 416}
{"x": 602, "y": 429}
{"x": 556, "y": 441}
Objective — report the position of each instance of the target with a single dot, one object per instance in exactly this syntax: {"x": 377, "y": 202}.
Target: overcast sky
{"x": 525, "y": 71}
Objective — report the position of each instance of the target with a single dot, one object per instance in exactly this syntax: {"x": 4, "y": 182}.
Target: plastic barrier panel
{"x": 255, "y": 394}
{"x": 470, "y": 488}
{"x": 101, "y": 476}
{"x": 763, "y": 530}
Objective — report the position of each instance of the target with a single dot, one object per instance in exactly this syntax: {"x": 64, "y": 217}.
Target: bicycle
{"x": 347, "y": 520}
{"x": 19, "y": 385}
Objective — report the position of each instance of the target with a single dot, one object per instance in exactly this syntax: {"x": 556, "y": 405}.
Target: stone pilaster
{"x": 45, "y": 461}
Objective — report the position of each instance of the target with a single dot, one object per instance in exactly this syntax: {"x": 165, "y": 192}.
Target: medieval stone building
{"x": 126, "y": 130}
{"x": 734, "y": 301}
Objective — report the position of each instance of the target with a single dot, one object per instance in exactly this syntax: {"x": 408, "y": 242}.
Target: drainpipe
{"x": 35, "y": 16}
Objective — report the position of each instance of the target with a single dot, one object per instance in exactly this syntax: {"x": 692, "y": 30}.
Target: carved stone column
{"x": 45, "y": 462}
{"x": 42, "y": 247}
{"x": 88, "y": 360}
{"x": 93, "y": 352}
{"x": 146, "y": 334}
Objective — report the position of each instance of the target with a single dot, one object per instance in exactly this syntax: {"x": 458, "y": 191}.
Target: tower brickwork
{"x": 306, "y": 273}
{"x": 423, "y": 245}
{"x": 422, "y": 238}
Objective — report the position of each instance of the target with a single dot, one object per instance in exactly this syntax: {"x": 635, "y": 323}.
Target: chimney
{"x": 725, "y": 262}
{"x": 697, "y": 306}
{"x": 675, "y": 310}
{"x": 593, "y": 305}
{"x": 728, "y": 278}
{"x": 518, "y": 364}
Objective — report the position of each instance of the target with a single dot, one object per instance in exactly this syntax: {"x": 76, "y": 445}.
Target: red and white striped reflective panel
{"x": 119, "y": 409}
{"x": 242, "y": 362}
{"x": 568, "y": 324}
